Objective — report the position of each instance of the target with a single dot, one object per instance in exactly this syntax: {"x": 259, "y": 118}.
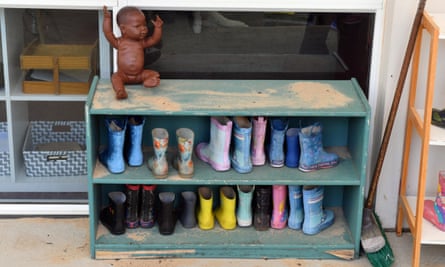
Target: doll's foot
{"x": 121, "y": 94}
{"x": 152, "y": 82}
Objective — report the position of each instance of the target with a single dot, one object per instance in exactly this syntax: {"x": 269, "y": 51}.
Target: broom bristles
{"x": 385, "y": 256}
{"x": 372, "y": 239}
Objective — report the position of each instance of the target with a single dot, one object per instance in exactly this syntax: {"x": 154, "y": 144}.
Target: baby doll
{"x": 130, "y": 48}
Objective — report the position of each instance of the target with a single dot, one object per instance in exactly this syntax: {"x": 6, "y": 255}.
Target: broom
{"x": 373, "y": 238}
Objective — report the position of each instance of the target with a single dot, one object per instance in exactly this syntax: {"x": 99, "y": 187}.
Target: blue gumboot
{"x": 113, "y": 155}
{"x": 134, "y": 141}
{"x": 292, "y": 148}
{"x": 296, "y": 213}
{"x": 276, "y": 149}
{"x": 316, "y": 219}
{"x": 242, "y": 136}
{"x": 312, "y": 155}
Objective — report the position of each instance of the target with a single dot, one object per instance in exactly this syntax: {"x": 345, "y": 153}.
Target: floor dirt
{"x": 64, "y": 242}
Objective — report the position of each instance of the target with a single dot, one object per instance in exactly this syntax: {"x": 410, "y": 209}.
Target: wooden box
{"x": 60, "y": 68}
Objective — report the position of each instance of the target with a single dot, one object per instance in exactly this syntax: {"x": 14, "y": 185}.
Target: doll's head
{"x": 131, "y": 21}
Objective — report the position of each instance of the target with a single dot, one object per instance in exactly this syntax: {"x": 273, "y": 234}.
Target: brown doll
{"x": 130, "y": 48}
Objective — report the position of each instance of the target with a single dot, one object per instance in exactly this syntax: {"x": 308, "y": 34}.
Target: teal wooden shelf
{"x": 339, "y": 105}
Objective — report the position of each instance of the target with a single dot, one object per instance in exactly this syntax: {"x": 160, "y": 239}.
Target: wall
{"x": 398, "y": 22}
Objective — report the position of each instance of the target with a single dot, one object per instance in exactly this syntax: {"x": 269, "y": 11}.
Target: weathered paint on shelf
{"x": 261, "y": 97}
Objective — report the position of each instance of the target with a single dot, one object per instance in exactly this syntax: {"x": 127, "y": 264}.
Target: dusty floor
{"x": 63, "y": 242}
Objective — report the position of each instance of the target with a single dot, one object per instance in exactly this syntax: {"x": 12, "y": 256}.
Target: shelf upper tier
{"x": 343, "y": 174}
{"x": 333, "y": 98}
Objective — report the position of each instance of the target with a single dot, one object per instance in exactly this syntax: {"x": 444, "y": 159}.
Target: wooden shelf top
{"x": 234, "y": 97}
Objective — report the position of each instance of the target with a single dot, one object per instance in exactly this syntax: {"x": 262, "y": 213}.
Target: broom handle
{"x": 395, "y": 104}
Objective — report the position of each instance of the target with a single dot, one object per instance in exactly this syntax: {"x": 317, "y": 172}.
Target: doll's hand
{"x": 106, "y": 13}
{"x": 158, "y": 22}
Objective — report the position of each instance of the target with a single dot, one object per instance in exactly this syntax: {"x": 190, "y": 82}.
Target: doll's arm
{"x": 157, "y": 33}
{"x": 108, "y": 29}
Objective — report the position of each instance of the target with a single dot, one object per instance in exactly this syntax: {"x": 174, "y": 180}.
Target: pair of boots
{"x": 140, "y": 206}
{"x": 306, "y": 209}
{"x": 270, "y": 210}
{"x": 144, "y": 214}
{"x": 168, "y": 214}
{"x": 248, "y": 144}
{"x": 183, "y": 161}
{"x": 124, "y": 211}
{"x": 261, "y": 217}
{"x": 304, "y": 147}
{"x": 434, "y": 210}
{"x": 134, "y": 208}
{"x": 123, "y": 132}
{"x": 224, "y": 214}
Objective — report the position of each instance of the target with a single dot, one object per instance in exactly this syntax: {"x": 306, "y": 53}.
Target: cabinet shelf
{"x": 437, "y": 134}
{"x": 430, "y": 234}
{"x": 47, "y": 97}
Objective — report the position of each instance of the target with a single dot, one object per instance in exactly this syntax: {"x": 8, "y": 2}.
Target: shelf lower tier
{"x": 430, "y": 234}
{"x": 334, "y": 242}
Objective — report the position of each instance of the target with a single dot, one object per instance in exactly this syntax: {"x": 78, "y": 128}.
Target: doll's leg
{"x": 151, "y": 78}
{"x": 118, "y": 86}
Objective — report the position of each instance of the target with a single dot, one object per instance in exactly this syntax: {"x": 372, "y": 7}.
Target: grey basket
{"x": 55, "y": 148}
{"x": 5, "y": 169}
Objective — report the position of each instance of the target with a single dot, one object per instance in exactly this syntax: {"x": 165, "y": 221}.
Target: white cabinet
{"x": 17, "y": 108}
{"x": 19, "y": 22}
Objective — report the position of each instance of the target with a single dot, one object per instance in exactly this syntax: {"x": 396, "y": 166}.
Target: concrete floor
{"x": 64, "y": 242}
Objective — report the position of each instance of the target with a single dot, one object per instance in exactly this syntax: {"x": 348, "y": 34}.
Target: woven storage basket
{"x": 5, "y": 169}
{"x": 55, "y": 148}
